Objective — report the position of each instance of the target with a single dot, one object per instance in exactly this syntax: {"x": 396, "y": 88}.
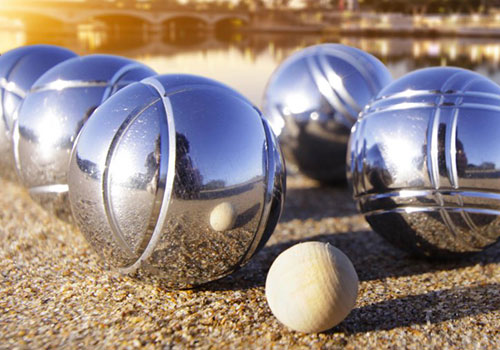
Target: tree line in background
{"x": 395, "y": 6}
{"x": 430, "y": 6}
{"x": 398, "y": 6}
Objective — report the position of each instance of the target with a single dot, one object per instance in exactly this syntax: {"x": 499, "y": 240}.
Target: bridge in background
{"x": 71, "y": 15}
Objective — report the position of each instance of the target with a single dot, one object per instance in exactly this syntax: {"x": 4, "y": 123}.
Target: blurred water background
{"x": 245, "y": 57}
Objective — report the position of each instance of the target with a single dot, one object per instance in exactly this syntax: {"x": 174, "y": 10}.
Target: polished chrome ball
{"x": 179, "y": 177}
{"x": 19, "y": 69}
{"x": 313, "y": 99}
{"x": 52, "y": 114}
{"x": 424, "y": 162}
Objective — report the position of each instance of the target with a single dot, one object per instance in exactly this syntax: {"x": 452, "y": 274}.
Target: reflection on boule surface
{"x": 52, "y": 114}
{"x": 19, "y": 69}
{"x": 313, "y": 99}
{"x": 145, "y": 179}
{"x": 424, "y": 163}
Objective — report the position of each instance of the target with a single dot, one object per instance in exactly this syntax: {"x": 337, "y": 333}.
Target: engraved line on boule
{"x": 439, "y": 198}
{"x": 170, "y": 176}
{"x": 465, "y": 216}
{"x": 417, "y": 105}
{"x": 357, "y": 173}
{"x": 449, "y": 80}
{"x": 189, "y": 87}
{"x": 419, "y": 192}
{"x": 7, "y": 78}
{"x": 54, "y": 188}
{"x": 12, "y": 87}
{"x": 353, "y": 61}
{"x": 418, "y": 93}
{"x": 363, "y": 167}
{"x": 116, "y": 77}
{"x": 160, "y": 183}
{"x": 106, "y": 189}
{"x": 473, "y": 229}
{"x": 13, "y": 67}
{"x": 450, "y": 154}
{"x": 331, "y": 88}
{"x": 268, "y": 196}
{"x": 409, "y": 93}
{"x": 337, "y": 84}
{"x": 15, "y": 148}
{"x": 433, "y": 148}
{"x": 354, "y": 170}
{"x": 357, "y": 169}
{"x": 415, "y": 209}
{"x": 444, "y": 212}
{"x": 68, "y": 84}
{"x": 326, "y": 90}
{"x": 476, "y": 78}
{"x": 451, "y": 146}
{"x": 451, "y": 225}
{"x": 400, "y": 106}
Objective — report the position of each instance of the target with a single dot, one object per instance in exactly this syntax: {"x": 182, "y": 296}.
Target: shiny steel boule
{"x": 52, "y": 114}
{"x": 424, "y": 162}
{"x": 19, "y": 69}
{"x": 313, "y": 99}
{"x": 153, "y": 164}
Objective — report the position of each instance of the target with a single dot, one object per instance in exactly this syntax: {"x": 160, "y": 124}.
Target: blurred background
{"x": 240, "y": 42}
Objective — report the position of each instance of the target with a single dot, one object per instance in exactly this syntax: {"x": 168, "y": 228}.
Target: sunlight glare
{"x": 403, "y": 157}
{"x": 297, "y": 103}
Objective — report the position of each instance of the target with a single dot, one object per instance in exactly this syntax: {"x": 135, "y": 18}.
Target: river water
{"x": 245, "y": 61}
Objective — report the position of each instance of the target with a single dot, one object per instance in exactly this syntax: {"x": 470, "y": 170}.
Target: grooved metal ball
{"x": 19, "y": 69}
{"x": 313, "y": 99}
{"x": 424, "y": 162}
{"x": 156, "y": 160}
{"x": 52, "y": 114}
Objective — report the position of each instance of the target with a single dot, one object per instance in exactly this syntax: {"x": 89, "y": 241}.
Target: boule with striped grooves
{"x": 424, "y": 162}
{"x": 313, "y": 99}
{"x": 19, "y": 69}
{"x": 52, "y": 114}
{"x": 156, "y": 160}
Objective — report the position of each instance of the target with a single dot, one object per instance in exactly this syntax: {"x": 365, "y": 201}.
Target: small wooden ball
{"x": 223, "y": 216}
{"x": 311, "y": 287}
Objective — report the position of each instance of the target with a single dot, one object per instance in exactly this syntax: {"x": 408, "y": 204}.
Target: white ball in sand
{"x": 311, "y": 287}
{"x": 223, "y": 217}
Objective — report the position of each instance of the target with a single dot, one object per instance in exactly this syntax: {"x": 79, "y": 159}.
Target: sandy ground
{"x": 55, "y": 292}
